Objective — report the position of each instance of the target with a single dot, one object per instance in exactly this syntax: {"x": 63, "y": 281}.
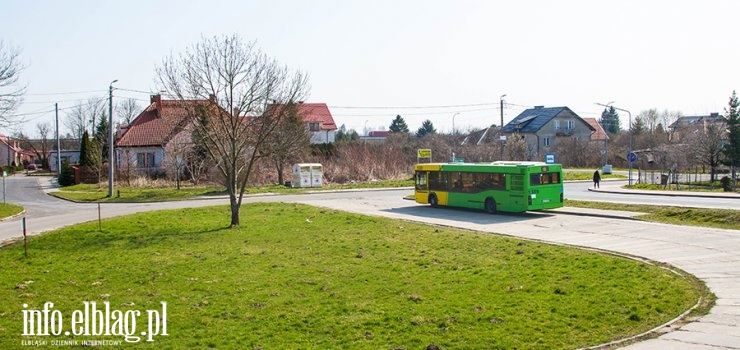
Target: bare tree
{"x": 237, "y": 83}
{"x": 84, "y": 116}
{"x": 708, "y": 147}
{"x": 43, "y": 130}
{"x": 176, "y": 156}
{"x": 127, "y": 110}
{"x": 288, "y": 142}
{"x": 10, "y": 93}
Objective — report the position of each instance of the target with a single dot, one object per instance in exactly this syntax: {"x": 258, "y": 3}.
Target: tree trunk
{"x": 279, "y": 166}
{"x": 234, "y": 209}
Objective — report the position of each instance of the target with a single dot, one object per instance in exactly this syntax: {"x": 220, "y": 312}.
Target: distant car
{"x": 31, "y": 166}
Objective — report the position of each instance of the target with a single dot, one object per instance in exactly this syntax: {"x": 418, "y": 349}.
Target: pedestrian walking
{"x": 597, "y": 179}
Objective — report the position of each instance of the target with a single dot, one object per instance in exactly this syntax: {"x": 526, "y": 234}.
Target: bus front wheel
{"x": 490, "y": 206}
{"x": 433, "y": 200}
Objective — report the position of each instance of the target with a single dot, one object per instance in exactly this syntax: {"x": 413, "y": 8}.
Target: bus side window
{"x": 534, "y": 179}
{"x": 421, "y": 180}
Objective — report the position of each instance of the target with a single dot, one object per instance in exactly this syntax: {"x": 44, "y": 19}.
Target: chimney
{"x": 212, "y": 97}
{"x": 157, "y": 100}
{"x": 539, "y": 107}
{"x": 299, "y": 102}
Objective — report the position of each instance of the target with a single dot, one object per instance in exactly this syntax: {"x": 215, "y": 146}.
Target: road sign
{"x": 632, "y": 157}
{"x": 424, "y": 153}
{"x": 550, "y": 158}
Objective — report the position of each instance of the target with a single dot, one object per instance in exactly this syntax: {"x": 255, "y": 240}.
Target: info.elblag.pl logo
{"x": 92, "y": 321}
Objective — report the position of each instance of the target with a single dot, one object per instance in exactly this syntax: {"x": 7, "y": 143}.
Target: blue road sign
{"x": 550, "y": 158}
{"x": 632, "y": 157}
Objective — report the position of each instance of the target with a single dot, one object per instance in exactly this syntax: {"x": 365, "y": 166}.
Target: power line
{"x": 415, "y": 107}
{"x": 139, "y": 91}
{"x": 64, "y": 93}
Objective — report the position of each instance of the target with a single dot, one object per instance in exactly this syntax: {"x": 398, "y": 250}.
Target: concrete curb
{"x": 9, "y": 218}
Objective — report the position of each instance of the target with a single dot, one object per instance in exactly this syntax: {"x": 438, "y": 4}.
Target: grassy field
{"x": 719, "y": 218}
{"x": 7, "y": 210}
{"x": 302, "y": 277}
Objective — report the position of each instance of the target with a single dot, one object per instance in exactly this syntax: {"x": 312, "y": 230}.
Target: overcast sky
{"x": 676, "y": 55}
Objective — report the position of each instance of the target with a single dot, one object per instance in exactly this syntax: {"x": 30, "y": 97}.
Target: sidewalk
{"x": 611, "y": 188}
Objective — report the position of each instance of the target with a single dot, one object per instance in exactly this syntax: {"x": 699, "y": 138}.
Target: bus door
{"x": 421, "y": 187}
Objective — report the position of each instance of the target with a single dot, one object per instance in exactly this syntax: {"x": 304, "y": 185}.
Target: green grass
{"x": 93, "y": 193}
{"x": 8, "y": 210}
{"x": 580, "y": 175}
{"x": 701, "y": 187}
{"x": 295, "y": 276}
{"x": 718, "y": 218}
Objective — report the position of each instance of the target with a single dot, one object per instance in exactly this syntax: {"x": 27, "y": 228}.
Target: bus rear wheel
{"x": 490, "y": 206}
{"x": 433, "y": 200}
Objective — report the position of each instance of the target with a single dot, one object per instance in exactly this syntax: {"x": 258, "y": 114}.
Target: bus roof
{"x": 504, "y": 165}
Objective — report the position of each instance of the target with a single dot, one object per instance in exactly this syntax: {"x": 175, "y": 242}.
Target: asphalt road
{"x": 710, "y": 254}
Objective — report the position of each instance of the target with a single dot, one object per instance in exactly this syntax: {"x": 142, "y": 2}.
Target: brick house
{"x": 142, "y": 146}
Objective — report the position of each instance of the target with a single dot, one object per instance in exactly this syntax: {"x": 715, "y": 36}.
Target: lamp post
{"x": 111, "y": 135}
{"x": 606, "y": 137}
{"x": 453, "y": 122}
{"x": 502, "y": 137}
{"x": 629, "y": 125}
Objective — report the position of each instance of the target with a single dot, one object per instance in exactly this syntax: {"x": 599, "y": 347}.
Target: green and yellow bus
{"x": 500, "y": 186}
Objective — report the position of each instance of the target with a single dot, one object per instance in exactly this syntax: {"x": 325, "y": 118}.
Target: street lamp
{"x": 110, "y": 139}
{"x": 453, "y": 122}
{"x": 629, "y": 115}
{"x": 502, "y": 137}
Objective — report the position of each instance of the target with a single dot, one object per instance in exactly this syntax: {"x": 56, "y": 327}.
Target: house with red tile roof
{"x": 141, "y": 144}
{"x": 319, "y": 121}
{"x": 10, "y": 153}
{"x": 598, "y": 135}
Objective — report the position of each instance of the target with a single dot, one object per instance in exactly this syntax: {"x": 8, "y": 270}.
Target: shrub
{"x": 66, "y": 176}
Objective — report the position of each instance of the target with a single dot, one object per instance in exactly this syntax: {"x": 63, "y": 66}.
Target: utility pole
{"x": 59, "y": 149}
{"x": 502, "y": 137}
{"x": 111, "y": 157}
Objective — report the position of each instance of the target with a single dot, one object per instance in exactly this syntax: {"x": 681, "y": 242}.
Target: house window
{"x": 314, "y": 126}
{"x": 571, "y": 124}
{"x": 546, "y": 141}
{"x": 145, "y": 159}
{"x": 557, "y": 124}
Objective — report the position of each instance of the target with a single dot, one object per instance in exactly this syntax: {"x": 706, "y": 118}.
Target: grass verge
{"x": 8, "y": 210}
{"x": 705, "y": 187}
{"x": 718, "y": 218}
{"x": 93, "y": 193}
{"x": 580, "y": 175}
{"x": 295, "y": 276}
